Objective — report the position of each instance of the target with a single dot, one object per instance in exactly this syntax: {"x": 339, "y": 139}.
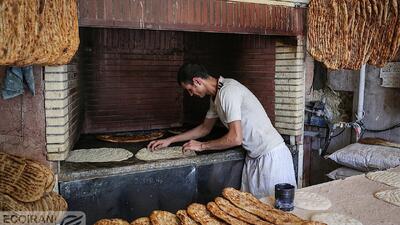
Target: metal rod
{"x": 361, "y": 88}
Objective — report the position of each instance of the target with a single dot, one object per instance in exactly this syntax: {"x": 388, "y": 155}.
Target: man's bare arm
{"x": 233, "y": 138}
{"x": 197, "y": 132}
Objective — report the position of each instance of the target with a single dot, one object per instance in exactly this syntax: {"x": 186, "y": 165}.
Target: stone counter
{"x": 78, "y": 171}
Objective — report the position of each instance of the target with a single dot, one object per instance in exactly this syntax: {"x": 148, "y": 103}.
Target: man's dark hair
{"x": 190, "y": 70}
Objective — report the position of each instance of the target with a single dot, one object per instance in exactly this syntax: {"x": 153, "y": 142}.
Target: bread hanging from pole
{"x": 345, "y": 34}
{"x": 41, "y": 32}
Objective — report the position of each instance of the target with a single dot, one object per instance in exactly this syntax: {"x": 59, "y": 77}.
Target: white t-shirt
{"x": 235, "y": 102}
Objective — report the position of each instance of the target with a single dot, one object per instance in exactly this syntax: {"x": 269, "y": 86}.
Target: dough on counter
{"x": 165, "y": 153}
{"x": 335, "y": 219}
{"x": 99, "y": 155}
{"x": 389, "y": 178}
{"x": 311, "y": 201}
{"x": 390, "y": 196}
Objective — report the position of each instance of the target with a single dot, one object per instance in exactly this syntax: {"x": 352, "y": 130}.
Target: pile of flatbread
{"x": 166, "y": 153}
{"x": 392, "y": 179}
{"x": 26, "y": 185}
{"x": 235, "y": 207}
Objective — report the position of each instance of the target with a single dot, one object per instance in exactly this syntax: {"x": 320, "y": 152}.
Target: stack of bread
{"x": 235, "y": 207}
{"x": 26, "y": 185}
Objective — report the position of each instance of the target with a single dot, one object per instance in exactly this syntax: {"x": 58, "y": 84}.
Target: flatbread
{"x": 131, "y": 138}
{"x": 158, "y": 217}
{"x": 335, "y": 219}
{"x": 390, "y": 196}
{"x": 199, "y": 213}
{"x": 177, "y": 130}
{"x": 311, "y": 201}
{"x": 389, "y": 178}
{"x": 111, "y": 222}
{"x": 165, "y": 153}
{"x": 251, "y": 204}
{"x": 141, "y": 221}
{"x": 99, "y": 155}
{"x": 236, "y": 212}
{"x": 184, "y": 218}
{"x": 217, "y": 212}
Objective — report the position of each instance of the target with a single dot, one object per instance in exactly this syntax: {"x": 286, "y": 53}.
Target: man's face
{"x": 196, "y": 89}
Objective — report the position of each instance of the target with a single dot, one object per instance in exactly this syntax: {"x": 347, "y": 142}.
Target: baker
{"x": 268, "y": 160}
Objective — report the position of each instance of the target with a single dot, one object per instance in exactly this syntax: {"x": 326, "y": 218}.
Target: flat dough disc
{"x": 335, "y": 219}
{"x": 311, "y": 201}
{"x": 390, "y": 196}
{"x": 389, "y": 178}
{"x": 99, "y": 155}
{"x": 165, "y": 153}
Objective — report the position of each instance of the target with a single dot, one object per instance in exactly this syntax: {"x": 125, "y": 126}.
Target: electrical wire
{"x": 383, "y": 130}
{"x": 344, "y": 128}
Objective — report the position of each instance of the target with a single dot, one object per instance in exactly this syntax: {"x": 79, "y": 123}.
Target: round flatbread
{"x": 177, "y": 130}
{"x": 311, "y": 201}
{"x": 390, "y": 196}
{"x": 165, "y": 153}
{"x": 335, "y": 219}
{"x": 99, "y": 155}
{"x": 389, "y": 178}
{"x": 131, "y": 137}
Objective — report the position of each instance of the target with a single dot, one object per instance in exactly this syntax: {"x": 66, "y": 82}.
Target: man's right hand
{"x": 158, "y": 144}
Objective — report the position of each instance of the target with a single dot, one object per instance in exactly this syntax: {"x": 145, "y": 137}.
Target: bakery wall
{"x": 22, "y": 123}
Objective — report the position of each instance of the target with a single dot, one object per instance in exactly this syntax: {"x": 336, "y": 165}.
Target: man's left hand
{"x": 193, "y": 145}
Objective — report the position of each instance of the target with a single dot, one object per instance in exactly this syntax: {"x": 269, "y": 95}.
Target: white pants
{"x": 260, "y": 174}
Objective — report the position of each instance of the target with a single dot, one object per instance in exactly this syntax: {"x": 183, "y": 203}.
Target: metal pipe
{"x": 361, "y": 88}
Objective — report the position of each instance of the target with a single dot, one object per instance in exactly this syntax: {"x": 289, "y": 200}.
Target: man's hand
{"x": 158, "y": 144}
{"x": 193, "y": 145}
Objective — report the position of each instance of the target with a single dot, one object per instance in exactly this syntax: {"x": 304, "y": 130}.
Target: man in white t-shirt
{"x": 268, "y": 160}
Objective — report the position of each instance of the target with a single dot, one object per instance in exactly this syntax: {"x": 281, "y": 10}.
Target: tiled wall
{"x": 62, "y": 109}
{"x": 289, "y": 87}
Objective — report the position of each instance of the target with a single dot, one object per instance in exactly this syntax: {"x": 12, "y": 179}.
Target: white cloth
{"x": 260, "y": 174}
{"x": 233, "y": 102}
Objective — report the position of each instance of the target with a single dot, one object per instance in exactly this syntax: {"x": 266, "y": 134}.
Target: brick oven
{"x": 123, "y": 78}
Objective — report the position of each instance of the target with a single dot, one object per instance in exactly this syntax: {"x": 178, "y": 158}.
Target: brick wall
{"x": 129, "y": 79}
{"x": 129, "y": 76}
{"x": 289, "y": 87}
{"x": 62, "y": 109}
